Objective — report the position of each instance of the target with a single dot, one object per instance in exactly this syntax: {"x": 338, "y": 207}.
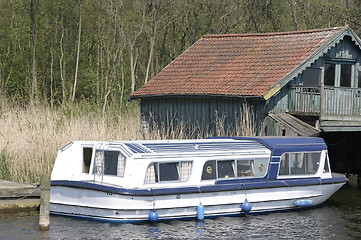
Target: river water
{"x": 338, "y": 218}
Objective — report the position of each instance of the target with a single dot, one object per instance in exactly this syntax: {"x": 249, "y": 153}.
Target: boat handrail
{"x": 203, "y": 154}
{"x": 99, "y": 169}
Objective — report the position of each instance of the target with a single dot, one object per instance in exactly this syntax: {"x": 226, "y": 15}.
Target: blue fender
{"x": 246, "y": 206}
{"x": 304, "y": 203}
{"x": 153, "y": 216}
{"x": 200, "y": 212}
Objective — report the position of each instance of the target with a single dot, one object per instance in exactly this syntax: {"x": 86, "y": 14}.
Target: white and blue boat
{"x": 127, "y": 181}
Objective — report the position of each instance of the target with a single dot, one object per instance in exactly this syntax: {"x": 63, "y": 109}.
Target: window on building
{"x": 345, "y": 77}
{"x": 311, "y": 77}
{"x": 339, "y": 74}
{"x": 329, "y": 74}
{"x": 299, "y": 163}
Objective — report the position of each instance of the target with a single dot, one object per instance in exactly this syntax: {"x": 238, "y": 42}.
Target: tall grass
{"x": 31, "y": 137}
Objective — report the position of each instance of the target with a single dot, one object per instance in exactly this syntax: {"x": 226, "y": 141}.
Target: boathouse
{"x": 299, "y": 83}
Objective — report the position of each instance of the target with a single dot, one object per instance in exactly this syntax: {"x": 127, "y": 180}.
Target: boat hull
{"x": 128, "y": 207}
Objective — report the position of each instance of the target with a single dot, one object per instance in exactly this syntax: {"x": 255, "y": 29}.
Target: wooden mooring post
{"x": 44, "y": 215}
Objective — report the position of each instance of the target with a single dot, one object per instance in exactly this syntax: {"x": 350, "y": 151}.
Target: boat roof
{"x": 220, "y": 145}
{"x": 194, "y": 146}
{"x": 292, "y": 142}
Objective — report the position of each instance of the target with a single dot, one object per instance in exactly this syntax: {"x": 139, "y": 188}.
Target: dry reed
{"x": 31, "y": 137}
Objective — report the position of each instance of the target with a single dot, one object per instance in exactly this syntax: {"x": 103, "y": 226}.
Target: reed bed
{"x": 31, "y": 137}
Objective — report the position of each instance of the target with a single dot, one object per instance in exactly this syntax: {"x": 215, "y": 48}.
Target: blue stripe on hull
{"x": 224, "y": 185}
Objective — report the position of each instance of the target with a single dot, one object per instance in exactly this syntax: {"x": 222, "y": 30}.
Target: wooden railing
{"x": 336, "y": 101}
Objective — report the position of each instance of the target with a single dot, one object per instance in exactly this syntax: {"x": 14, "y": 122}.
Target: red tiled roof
{"x": 236, "y": 64}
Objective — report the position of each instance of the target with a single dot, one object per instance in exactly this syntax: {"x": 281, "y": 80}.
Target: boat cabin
{"x": 172, "y": 163}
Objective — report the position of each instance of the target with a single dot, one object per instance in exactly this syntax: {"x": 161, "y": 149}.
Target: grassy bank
{"x": 31, "y": 137}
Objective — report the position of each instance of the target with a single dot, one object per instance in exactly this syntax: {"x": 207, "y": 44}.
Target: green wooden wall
{"x": 201, "y": 114}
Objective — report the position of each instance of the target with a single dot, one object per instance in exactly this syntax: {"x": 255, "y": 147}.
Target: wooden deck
{"x": 18, "y": 196}
{"x": 338, "y": 110}
{"x": 337, "y": 101}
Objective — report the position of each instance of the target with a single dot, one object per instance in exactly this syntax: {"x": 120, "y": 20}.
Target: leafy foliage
{"x": 124, "y": 43}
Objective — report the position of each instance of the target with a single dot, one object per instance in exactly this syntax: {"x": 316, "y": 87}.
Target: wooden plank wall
{"x": 204, "y": 114}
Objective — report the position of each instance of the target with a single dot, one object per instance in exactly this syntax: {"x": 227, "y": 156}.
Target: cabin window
{"x": 299, "y": 163}
{"x": 245, "y": 168}
{"x": 110, "y": 163}
{"x": 261, "y": 167}
{"x": 87, "y": 157}
{"x": 171, "y": 171}
{"x": 326, "y": 168}
{"x": 214, "y": 169}
{"x": 168, "y": 172}
{"x": 252, "y": 167}
{"x": 225, "y": 169}
{"x": 121, "y": 165}
{"x": 185, "y": 170}
{"x": 99, "y": 159}
{"x": 151, "y": 175}
{"x": 209, "y": 170}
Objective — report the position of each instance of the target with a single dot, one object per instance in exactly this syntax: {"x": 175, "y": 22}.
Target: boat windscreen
{"x": 299, "y": 163}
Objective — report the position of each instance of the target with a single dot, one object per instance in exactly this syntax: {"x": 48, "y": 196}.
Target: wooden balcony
{"x": 338, "y": 102}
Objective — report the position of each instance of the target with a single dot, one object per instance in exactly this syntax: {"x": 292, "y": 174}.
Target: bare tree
{"x": 34, "y": 6}
{"x": 3, "y": 79}
{"x": 62, "y": 62}
{"x": 114, "y": 51}
{"x": 130, "y": 32}
{"x": 293, "y": 13}
{"x": 77, "y": 56}
{"x": 154, "y": 18}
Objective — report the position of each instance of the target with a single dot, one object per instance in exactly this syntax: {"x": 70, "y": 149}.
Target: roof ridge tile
{"x": 272, "y": 33}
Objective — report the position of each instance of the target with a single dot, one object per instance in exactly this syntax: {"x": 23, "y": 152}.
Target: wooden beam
{"x": 272, "y": 92}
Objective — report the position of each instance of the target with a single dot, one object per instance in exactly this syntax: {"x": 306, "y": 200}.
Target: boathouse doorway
{"x": 344, "y": 151}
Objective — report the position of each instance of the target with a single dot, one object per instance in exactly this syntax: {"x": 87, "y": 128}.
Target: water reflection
{"x": 200, "y": 228}
{"x": 22, "y": 225}
{"x": 339, "y": 217}
{"x": 154, "y": 232}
